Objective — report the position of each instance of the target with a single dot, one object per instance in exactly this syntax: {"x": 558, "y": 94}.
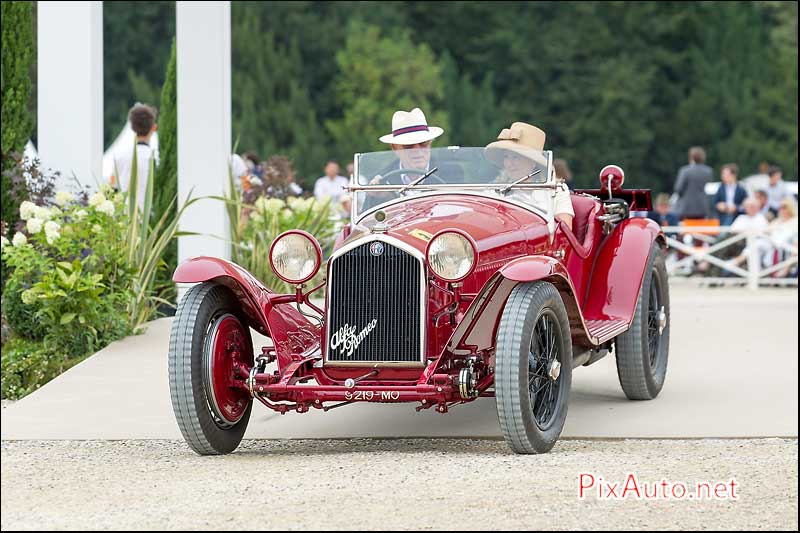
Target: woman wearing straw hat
{"x": 518, "y": 150}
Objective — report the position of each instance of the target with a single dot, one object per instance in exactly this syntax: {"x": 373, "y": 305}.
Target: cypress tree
{"x": 18, "y": 48}
{"x": 166, "y": 179}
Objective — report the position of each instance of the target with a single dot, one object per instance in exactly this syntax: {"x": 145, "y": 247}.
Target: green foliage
{"x": 18, "y": 53}
{"x": 166, "y": 178}
{"x": 271, "y": 107}
{"x": 377, "y": 76}
{"x": 71, "y": 280}
{"x": 27, "y": 365}
{"x": 146, "y": 243}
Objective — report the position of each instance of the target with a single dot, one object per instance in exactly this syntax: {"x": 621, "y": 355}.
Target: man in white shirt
{"x": 776, "y": 191}
{"x": 142, "y": 119}
{"x": 751, "y": 221}
{"x": 331, "y": 185}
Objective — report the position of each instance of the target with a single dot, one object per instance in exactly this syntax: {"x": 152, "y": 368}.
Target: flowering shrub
{"x": 70, "y": 269}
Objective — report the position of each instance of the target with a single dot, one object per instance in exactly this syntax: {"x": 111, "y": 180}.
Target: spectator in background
{"x": 783, "y": 237}
{"x": 761, "y": 197}
{"x": 661, "y": 211}
{"x": 730, "y": 195}
{"x": 350, "y": 169}
{"x": 750, "y": 221}
{"x": 142, "y": 118}
{"x": 331, "y": 185}
{"x": 690, "y": 185}
{"x": 562, "y": 171}
{"x": 776, "y": 191}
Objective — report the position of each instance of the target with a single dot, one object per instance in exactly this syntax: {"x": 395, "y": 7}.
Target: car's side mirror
{"x": 611, "y": 179}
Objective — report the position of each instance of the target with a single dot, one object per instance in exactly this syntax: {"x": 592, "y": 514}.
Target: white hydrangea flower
{"x": 81, "y": 213}
{"x": 4, "y": 242}
{"x": 294, "y": 202}
{"x": 96, "y": 228}
{"x": 19, "y": 239}
{"x": 270, "y": 206}
{"x": 42, "y": 213}
{"x": 28, "y": 297}
{"x": 35, "y": 226}
{"x": 51, "y": 231}
{"x": 64, "y": 197}
{"x": 97, "y": 199}
{"x": 106, "y": 207}
{"x": 255, "y": 181}
{"x": 27, "y": 210}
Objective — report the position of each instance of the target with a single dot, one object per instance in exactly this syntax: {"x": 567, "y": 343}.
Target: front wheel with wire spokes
{"x": 533, "y": 367}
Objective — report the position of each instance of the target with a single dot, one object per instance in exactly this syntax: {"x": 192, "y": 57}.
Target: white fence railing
{"x": 768, "y": 260}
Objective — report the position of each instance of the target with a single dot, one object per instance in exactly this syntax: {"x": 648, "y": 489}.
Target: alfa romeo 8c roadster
{"x": 451, "y": 283}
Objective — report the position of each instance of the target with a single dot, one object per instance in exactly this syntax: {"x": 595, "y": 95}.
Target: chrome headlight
{"x": 295, "y": 256}
{"x": 452, "y": 255}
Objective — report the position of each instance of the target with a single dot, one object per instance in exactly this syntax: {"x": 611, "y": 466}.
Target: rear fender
{"x": 619, "y": 268}
{"x": 293, "y": 335}
{"x": 477, "y": 330}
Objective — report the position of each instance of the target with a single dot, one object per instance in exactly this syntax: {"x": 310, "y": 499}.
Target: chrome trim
{"x": 422, "y": 298}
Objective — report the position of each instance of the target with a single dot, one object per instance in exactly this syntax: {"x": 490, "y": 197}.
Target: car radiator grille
{"x": 374, "y": 306}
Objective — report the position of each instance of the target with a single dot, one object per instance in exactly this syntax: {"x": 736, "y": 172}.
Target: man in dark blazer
{"x": 730, "y": 196}
{"x": 691, "y": 184}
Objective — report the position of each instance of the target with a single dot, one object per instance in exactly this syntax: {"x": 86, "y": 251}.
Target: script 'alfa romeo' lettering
{"x": 347, "y": 340}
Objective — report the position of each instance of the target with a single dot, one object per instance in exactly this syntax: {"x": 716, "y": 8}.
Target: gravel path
{"x": 389, "y": 484}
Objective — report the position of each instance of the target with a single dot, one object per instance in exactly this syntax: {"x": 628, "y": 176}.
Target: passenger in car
{"x": 518, "y": 150}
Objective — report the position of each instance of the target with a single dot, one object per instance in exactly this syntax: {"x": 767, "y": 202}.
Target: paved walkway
{"x": 732, "y": 373}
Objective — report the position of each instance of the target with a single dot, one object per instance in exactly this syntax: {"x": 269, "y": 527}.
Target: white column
{"x": 203, "y": 35}
{"x": 70, "y": 90}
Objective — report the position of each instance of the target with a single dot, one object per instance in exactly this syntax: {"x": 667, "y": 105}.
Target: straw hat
{"x": 411, "y": 127}
{"x": 520, "y": 138}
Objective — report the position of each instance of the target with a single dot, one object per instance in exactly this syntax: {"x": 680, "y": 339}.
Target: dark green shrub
{"x": 26, "y": 366}
{"x": 21, "y": 317}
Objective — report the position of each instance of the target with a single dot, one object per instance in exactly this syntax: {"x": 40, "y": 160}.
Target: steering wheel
{"x": 432, "y": 178}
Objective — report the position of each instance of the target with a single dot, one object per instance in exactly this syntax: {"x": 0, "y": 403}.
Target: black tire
{"x": 204, "y": 432}
{"x": 642, "y": 351}
{"x": 521, "y": 381}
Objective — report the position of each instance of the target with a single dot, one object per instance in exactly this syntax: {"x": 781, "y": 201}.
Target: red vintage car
{"x": 451, "y": 283}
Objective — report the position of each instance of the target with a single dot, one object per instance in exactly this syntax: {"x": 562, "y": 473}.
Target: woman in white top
{"x": 518, "y": 150}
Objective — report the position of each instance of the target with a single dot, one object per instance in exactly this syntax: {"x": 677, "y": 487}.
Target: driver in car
{"x": 410, "y": 140}
{"x": 518, "y": 151}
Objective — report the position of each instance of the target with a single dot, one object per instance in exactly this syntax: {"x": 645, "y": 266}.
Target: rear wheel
{"x": 642, "y": 351}
{"x": 533, "y": 367}
{"x": 209, "y": 339}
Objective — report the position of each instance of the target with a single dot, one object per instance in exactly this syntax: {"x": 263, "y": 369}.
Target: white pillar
{"x": 203, "y": 34}
{"x": 70, "y": 90}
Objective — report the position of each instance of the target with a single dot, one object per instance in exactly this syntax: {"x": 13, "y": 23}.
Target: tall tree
{"x": 18, "y": 54}
{"x": 166, "y": 179}
{"x": 378, "y": 75}
{"x": 272, "y": 111}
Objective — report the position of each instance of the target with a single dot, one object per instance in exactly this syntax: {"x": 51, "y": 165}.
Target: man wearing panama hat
{"x": 518, "y": 150}
{"x": 410, "y": 140}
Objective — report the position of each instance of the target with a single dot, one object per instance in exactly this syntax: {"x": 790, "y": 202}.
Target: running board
{"x": 602, "y": 330}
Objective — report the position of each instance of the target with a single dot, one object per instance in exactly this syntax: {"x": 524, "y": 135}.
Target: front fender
{"x": 477, "y": 330}
{"x": 293, "y": 335}
{"x": 618, "y": 270}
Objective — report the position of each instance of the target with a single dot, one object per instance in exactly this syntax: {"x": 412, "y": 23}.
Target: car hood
{"x": 498, "y": 227}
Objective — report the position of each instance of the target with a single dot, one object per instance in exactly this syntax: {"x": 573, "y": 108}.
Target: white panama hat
{"x": 411, "y": 127}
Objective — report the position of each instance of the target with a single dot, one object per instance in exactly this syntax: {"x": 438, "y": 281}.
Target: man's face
{"x": 775, "y": 177}
{"x": 727, "y": 176}
{"x": 350, "y": 169}
{"x": 662, "y": 208}
{"x": 751, "y": 207}
{"x": 761, "y": 199}
{"x": 413, "y": 155}
{"x": 331, "y": 170}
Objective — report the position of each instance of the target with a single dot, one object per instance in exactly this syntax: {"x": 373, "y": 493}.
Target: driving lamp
{"x": 451, "y": 255}
{"x": 295, "y": 256}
